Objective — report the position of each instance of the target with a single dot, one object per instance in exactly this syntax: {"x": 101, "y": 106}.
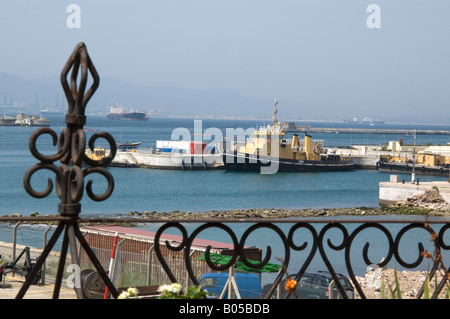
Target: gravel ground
{"x": 410, "y": 283}
{"x": 10, "y": 286}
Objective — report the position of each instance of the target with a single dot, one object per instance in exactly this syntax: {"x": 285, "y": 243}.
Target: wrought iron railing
{"x": 320, "y": 244}
{"x": 317, "y": 246}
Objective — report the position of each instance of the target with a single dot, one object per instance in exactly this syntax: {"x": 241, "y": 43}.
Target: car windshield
{"x": 207, "y": 282}
{"x": 317, "y": 281}
{"x": 320, "y": 280}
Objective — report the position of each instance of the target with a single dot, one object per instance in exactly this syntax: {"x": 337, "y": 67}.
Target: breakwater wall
{"x": 395, "y": 191}
{"x": 367, "y": 131}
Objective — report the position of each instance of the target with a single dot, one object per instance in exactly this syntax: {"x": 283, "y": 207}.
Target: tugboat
{"x": 269, "y": 152}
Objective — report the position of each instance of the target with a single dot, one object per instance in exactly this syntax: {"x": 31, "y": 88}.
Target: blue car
{"x": 249, "y": 285}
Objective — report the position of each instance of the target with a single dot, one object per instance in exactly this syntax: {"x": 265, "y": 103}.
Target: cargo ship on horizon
{"x": 118, "y": 112}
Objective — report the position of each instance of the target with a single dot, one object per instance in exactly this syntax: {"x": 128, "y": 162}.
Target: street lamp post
{"x": 413, "y": 175}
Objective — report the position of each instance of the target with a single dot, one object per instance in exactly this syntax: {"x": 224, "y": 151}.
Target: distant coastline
{"x": 155, "y": 114}
{"x": 247, "y": 118}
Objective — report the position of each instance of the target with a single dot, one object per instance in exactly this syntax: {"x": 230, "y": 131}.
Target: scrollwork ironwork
{"x": 318, "y": 245}
{"x": 69, "y": 176}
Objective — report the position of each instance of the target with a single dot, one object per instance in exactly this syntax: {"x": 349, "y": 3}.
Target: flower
{"x": 291, "y": 284}
{"x": 173, "y": 288}
{"x": 130, "y": 293}
{"x": 164, "y": 288}
{"x": 174, "y": 291}
{"x": 176, "y": 288}
{"x": 170, "y": 291}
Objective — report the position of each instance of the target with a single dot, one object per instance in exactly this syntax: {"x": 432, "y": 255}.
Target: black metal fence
{"x": 313, "y": 239}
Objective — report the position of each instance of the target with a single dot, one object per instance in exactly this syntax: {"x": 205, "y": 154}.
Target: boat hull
{"x": 251, "y": 163}
{"x": 389, "y": 167}
{"x": 135, "y": 116}
{"x": 168, "y": 161}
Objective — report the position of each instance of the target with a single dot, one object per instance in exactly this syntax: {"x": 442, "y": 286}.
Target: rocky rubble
{"x": 430, "y": 199}
{"x": 410, "y": 283}
{"x": 410, "y": 208}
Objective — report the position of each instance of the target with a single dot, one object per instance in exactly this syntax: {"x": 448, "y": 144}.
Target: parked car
{"x": 249, "y": 285}
{"x": 314, "y": 285}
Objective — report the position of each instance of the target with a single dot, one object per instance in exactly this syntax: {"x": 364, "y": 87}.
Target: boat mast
{"x": 275, "y": 111}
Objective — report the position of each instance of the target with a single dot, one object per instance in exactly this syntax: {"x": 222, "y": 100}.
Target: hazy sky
{"x": 318, "y": 57}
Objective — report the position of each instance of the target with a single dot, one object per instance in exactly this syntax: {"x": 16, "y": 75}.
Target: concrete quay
{"x": 12, "y": 283}
{"x": 394, "y": 190}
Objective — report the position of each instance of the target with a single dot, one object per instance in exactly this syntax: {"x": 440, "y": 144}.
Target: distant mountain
{"x": 170, "y": 99}
{"x": 185, "y": 102}
{"x": 28, "y": 90}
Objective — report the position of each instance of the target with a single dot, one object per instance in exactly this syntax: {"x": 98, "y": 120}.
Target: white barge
{"x": 171, "y": 155}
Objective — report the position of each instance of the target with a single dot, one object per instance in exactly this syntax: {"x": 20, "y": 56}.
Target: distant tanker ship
{"x": 118, "y": 112}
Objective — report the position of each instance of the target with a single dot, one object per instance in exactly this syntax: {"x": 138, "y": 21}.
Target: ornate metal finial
{"x": 69, "y": 176}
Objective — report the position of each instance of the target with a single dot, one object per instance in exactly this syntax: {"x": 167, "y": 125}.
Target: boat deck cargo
{"x": 423, "y": 164}
{"x": 128, "y": 145}
{"x": 167, "y": 160}
{"x": 177, "y": 155}
{"x": 402, "y": 167}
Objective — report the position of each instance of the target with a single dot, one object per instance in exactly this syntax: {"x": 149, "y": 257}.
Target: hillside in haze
{"x": 35, "y": 94}
{"x": 48, "y": 91}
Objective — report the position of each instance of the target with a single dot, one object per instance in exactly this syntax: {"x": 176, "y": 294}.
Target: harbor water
{"x": 139, "y": 189}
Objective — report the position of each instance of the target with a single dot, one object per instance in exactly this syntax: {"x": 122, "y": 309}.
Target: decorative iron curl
{"x": 268, "y": 253}
{"x": 72, "y": 140}
{"x": 441, "y": 237}
{"x": 112, "y": 149}
{"x": 69, "y": 177}
{"x": 36, "y": 167}
{"x": 334, "y": 247}
{"x": 366, "y": 259}
{"x": 291, "y": 244}
{"x": 269, "y": 249}
{"x": 440, "y": 244}
{"x": 311, "y": 254}
{"x": 109, "y": 179}
{"x": 398, "y": 238}
{"x": 213, "y": 266}
{"x": 63, "y": 146}
{"x": 169, "y": 246}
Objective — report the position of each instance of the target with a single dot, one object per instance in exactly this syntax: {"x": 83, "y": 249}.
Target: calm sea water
{"x": 196, "y": 191}
{"x": 161, "y": 190}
